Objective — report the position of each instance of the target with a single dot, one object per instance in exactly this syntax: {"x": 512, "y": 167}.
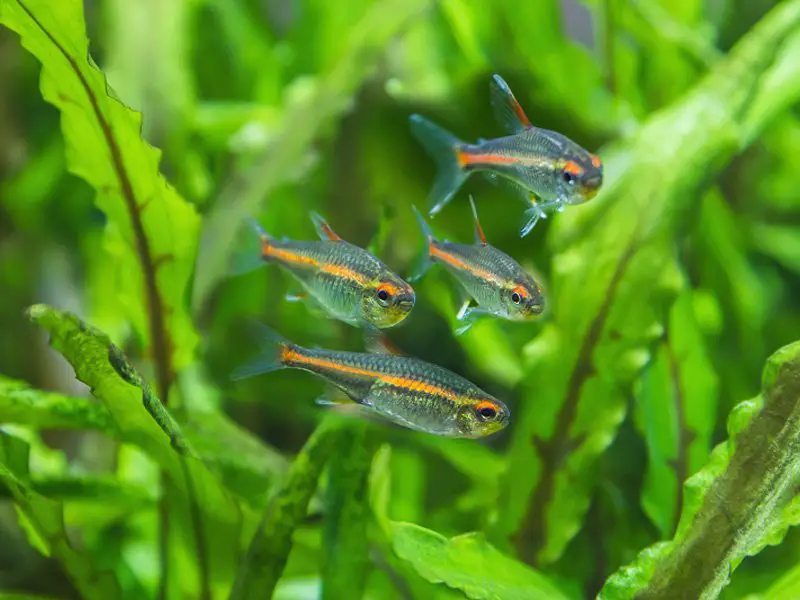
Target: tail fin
{"x": 423, "y": 262}
{"x": 443, "y": 147}
{"x": 248, "y": 255}
{"x": 270, "y": 358}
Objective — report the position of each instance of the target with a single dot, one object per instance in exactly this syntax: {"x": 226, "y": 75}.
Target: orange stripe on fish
{"x": 290, "y": 257}
{"x": 596, "y": 163}
{"x": 268, "y": 250}
{"x": 456, "y": 262}
{"x": 461, "y": 157}
{"x": 486, "y": 159}
{"x": 289, "y": 355}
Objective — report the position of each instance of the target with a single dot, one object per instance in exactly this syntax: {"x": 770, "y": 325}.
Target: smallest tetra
{"x": 499, "y": 285}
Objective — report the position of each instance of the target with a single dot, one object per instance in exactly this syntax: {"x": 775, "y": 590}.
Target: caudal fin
{"x": 270, "y": 358}
{"x": 423, "y": 261}
{"x": 249, "y": 252}
{"x": 443, "y": 147}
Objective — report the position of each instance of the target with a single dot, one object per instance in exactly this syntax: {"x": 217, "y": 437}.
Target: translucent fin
{"x": 377, "y": 343}
{"x": 423, "y": 261}
{"x": 507, "y": 110}
{"x": 468, "y": 315}
{"x": 530, "y": 218}
{"x": 248, "y": 255}
{"x": 480, "y": 238}
{"x": 334, "y": 396}
{"x": 271, "y": 344}
{"x": 444, "y": 148}
{"x": 324, "y": 230}
{"x": 297, "y": 296}
{"x": 462, "y": 312}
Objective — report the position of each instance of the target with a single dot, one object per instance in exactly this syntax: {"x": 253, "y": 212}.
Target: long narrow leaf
{"x": 266, "y": 558}
{"x": 737, "y": 504}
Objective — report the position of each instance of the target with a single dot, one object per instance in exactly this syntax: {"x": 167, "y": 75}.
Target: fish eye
{"x": 568, "y": 177}
{"x": 383, "y": 296}
{"x": 516, "y": 298}
{"x": 486, "y": 411}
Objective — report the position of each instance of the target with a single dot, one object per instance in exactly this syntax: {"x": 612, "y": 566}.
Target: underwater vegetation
{"x": 209, "y": 390}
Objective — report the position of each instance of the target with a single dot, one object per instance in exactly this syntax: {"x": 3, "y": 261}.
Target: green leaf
{"x": 243, "y": 462}
{"x": 21, "y": 404}
{"x": 91, "y": 488}
{"x": 140, "y": 416}
{"x": 45, "y": 518}
{"x": 269, "y": 549}
{"x": 611, "y": 285}
{"x": 303, "y": 123}
{"x": 676, "y": 405}
{"x": 469, "y": 563}
{"x": 737, "y": 504}
{"x": 152, "y": 232}
{"x": 346, "y": 564}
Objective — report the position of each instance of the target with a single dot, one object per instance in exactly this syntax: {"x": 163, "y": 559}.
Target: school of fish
{"x": 544, "y": 168}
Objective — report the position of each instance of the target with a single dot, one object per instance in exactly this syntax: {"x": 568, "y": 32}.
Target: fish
{"x": 546, "y": 169}
{"x": 398, "y": 389}
{"x": 342, "y": 280}
{"x": 498, "y": 283}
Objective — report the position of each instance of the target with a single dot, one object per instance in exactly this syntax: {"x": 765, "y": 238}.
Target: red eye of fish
{"x": 517, "y": 295}
{"x": 486, "y": 410}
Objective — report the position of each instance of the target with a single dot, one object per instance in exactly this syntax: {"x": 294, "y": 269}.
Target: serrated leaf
{"x": 469, "y": 563}
{"x": 613, "y": 276}
{"x": 737, "y": 504}
{"x": 45, "y": 518}
{"x": 21, "y": 404}
{"x": 269, "y": 549}
{"x": 676, "y": 402}
{"x": 139, "y": 415}
{"x": 151, "y": 230}
{"x": 244, "y": 463}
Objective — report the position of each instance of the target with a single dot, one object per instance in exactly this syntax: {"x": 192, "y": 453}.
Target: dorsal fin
{"x": 323, "y": 229}
{"x": 479, "y": 235}
{"x": 506, "y": 108}
{"x": 377, "y": 343}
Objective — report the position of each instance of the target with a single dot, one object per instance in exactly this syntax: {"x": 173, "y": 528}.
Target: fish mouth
{"x": 536, "y": 309}
{"x": 591, "y": 187}
{"x": 405, "y": 302}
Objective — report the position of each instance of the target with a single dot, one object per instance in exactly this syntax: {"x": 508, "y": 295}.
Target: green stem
{"x": 269, "y": 549}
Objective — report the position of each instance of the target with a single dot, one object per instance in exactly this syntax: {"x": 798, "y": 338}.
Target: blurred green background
{"x": 682, "y": 274}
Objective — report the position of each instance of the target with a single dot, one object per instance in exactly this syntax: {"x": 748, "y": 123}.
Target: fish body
{"x": 546, "y": 168}
{"x": 402, "y": 389}
{"x": 346, "y": 281}
{"x": 498, "y": 283}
